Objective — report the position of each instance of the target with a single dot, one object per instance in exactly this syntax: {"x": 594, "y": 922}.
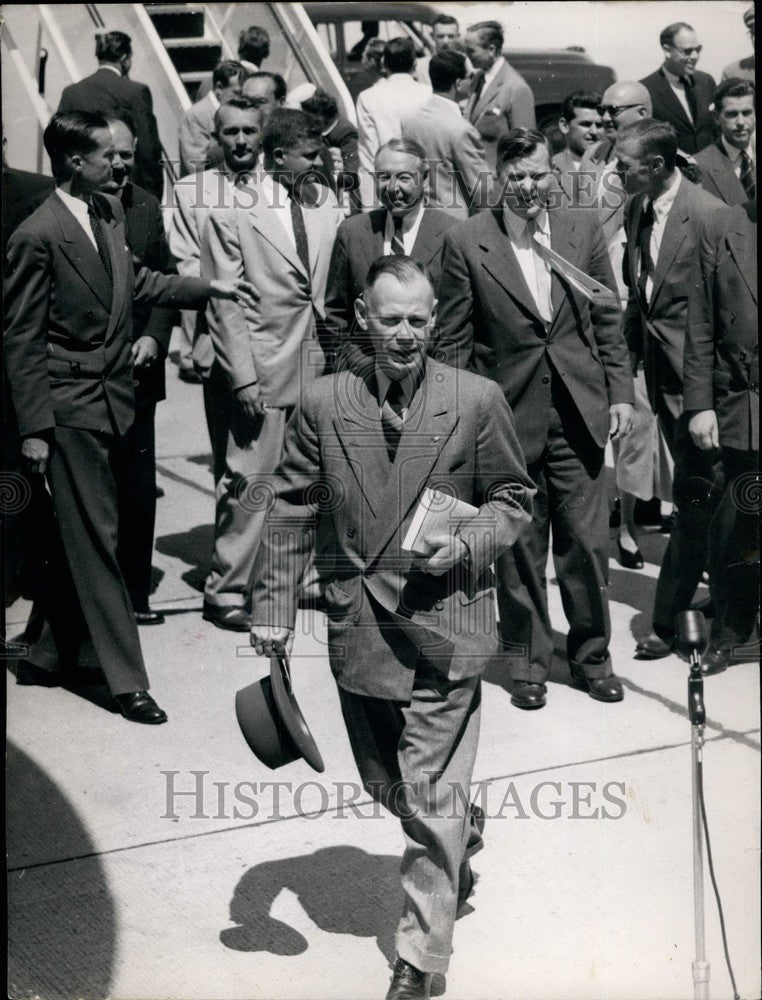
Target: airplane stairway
{"x": 191, "y": 42}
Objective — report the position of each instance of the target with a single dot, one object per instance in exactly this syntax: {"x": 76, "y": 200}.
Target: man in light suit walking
{"x": 408, "y": 637}
{"x": 282, "y": 242}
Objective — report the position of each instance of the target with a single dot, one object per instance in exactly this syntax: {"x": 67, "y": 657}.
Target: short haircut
{"x": 374, "y": 51}
{"x": 287, "y": 127}
{"x": 445, "y": 69}
{"x": 323, "y": 106}
{"x": 404, "y": 144}
{"x": 733, "y": 87}
{"x": 399, "y": 55}
{"x": 124, "y": 116}
{"x": 240, "y": 102}
{"x": 254, "y": 44}
{"x": 490, "y": 33}
{"x": 112, "y": 46}
{"x": 518, "y": 143}
{"x": 279, "y": 84}
{"x": 667, "y": 37}
{"x": 225, "y": 72}
{"x": 654, "y": 138}
{"x": 69, "y": 133}
{"x": 579, "y": 99}
{"x": 404, "y": 269}
{"x": 446, "y": 19}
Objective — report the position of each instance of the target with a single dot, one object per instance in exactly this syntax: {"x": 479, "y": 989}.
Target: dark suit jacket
{"x": 359, "y": 241}
{"x": 148, "y": 241}
{"x": 691, "y": 136}
{"x": 658, "y": 335}
{"x": 23, "y": 192}
{"x": 69, "y": 329}
{"x": 488, "y": 321}
{"x": 722, "y": 346}
{"x": 458, "y": 435}
{"x": 105, "y": 91}
{"x": 718, "y": 176}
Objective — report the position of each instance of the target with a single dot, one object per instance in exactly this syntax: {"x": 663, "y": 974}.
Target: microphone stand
{"x": 699, "y": 966}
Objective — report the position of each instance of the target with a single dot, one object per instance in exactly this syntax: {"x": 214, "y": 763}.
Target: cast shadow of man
{"x": 344, "y": 890}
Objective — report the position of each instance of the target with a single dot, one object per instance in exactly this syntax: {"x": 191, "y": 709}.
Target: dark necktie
{"x": 300, "y": 232}
{"x": 690, "y": 95}
{"x": 645, "y": 228}
{"x": 746, "y": 176}
{"x": 100, "y": 240}
{"x": 391, "y": 417}
{"x": 477, "y": 88}
{"x": 398, "y": 244}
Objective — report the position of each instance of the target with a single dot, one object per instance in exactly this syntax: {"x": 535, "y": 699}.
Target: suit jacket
{"x": 148, "y": 241}
{"x": 459, "y": 436}
{"x": 488, "y": 322}
{"x": 360, "y": 240}
{"x": 691, "y": 136}
{"x": 506, "y": 102}
{"x": 718, "y": 176}
{"x": 68, "y": 328}
{"x": 721, "y": 370}
{"x": 23, "y": 192}
{"x": 279, "y": 343}
{"x": 744, "y": 69}
{"x": 459, "y": 178}
{"x": 657, "y": 335}
{"x": 104, "y": 90}
{"x": 198, "y": 148}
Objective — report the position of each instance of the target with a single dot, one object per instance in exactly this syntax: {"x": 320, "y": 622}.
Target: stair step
{"x": 179, "y": 24}
{"x": 190, "y": 58}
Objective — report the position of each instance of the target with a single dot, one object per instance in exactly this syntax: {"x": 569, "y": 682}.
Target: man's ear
{"x": 657, "y": 164}
{"x": 278, "y": 156}
{"x": 360, "y": 312}
{"x": 563, "y": 126}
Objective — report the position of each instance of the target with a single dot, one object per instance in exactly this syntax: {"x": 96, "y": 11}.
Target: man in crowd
{"x": 402, "y": 226}
{"x": 253, "y": 49}
{"x": 722, "y": 399}
{"x": 743, "y": 69}
{"x": 408, "y": 636}
{"x": 381, "y": 107}
{"x": 459, "y": 177}
{"x": 580, "y": 124}
{"x": 110, "y": 89}
{"x": 197, "y": 147}
{"x": 500, "y": 99}
{"x": 340, "y": 142}
{"x": 445, "y": 34}
{"x": 512, "y": 308}
{"x": 70, "y": 287}
{"x": 281, "y": 240}
{"x": 681, "y": 94}
{"x": 266, "y": 91}
{"x": 729, "y": 165}
{"x": 662, "y": 223}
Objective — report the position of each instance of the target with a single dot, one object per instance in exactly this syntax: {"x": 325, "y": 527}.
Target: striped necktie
{"x": 398, "y": 244}
{"x": 747, "y": 176}
{"x": 300, "y": 230}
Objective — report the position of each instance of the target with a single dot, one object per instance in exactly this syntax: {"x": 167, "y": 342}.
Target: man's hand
{"x": 444, "y": 552}
{"x": 36, "y": 452}
{"x": 241, "y": 291}
{"x": 620, "y": 420}
{"x": 145, "y": 351}
{"x": 267, "y": 640}
{"x": 704, "y": 429}
{"x": 249, "y": 402}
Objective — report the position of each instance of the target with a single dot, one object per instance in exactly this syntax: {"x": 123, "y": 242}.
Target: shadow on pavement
{"x": 61, "y": 919}
{"x": 193, "y": 547}
{"x": 344, "y": 890}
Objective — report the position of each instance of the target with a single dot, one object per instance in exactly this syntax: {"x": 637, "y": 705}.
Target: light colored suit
{"x": 506, "y": 102}
{"x": 275, "y": 344}
{"x": 718, "y": 176}
{"x": 379, "y": 112}
{"x": 197, "y": 146}
{"x": 459, "y": 176}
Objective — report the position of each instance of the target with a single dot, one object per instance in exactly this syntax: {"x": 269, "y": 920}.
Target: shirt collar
{"x": 409, "y": 384}
{"x": 250, "y": 67}
{"x": 517, "y": 226}
{"x": 110, "y": 68}
{"x": 409, "y": 221}
{"x": 76, "y": 206}
{"x": 733, "y": 151}
{"x": 214, "y": 100}
{"x": 672, "y": 80}
{"x": 492, "y": 72}
{"x": 446, "y": 106}
{"x": 664, "y": 202}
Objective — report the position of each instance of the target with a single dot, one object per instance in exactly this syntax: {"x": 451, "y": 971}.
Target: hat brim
{"x": 291, "y": 714}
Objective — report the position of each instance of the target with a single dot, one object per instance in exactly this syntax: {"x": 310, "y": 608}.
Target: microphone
{"x": 692, "y": 639}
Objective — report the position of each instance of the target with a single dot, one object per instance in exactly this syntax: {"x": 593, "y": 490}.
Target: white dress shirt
{"x": 678, "y": 88}
{"x": 536, "y": 271}
{"x": 411, "y": 223}
{"x": 276, "y": 198}
{"x": 78, "y": 209}
{"x": 735, "y": 154}
{"x": 662, "y": 207}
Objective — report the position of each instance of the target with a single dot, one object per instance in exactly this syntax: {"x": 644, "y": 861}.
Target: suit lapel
{"x": 669, "y": 96}
{"x": 500, "y": 261}
{"x": 80, "y": 252}
{"x": 721, "y": 170}
{"x": 564, "y": 241}
{"x": 744, "y": 256}
{"x": 427, "y": 242}
{"x": 489, "y": 94}
{"x": 675, "y": 232}
{"x": 267, "y": 224}
{"x": 372, "y": 236}
{"x": 358, "y": 427}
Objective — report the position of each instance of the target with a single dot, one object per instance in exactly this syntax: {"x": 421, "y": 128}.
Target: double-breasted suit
{"x": 560, "y": 378}
{"x": 718, "y": 176}
{"x": 691, "y": 135}
{"x": 406, "y": 648}
{"x": 68, "y": 354}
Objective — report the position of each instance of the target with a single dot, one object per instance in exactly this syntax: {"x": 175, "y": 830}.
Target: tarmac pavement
{"x": 160, "y": 862}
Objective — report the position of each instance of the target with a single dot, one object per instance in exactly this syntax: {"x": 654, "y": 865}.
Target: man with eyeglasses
{"x": 681, "y": 95}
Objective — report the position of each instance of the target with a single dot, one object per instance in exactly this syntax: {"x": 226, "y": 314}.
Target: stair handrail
{"x": 28, "y": 82}
{"x": 226, "y": 52}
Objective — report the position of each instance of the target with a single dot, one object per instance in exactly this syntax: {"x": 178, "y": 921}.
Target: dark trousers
{"x": 696, "y": 491}
{"x": 734, "y": 551}
{"x": 134, "y": 465}
{"x": 571, "y": 502}
{"x": 83, "y": 593}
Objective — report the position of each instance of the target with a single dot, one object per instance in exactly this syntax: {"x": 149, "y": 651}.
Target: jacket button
{"x": 356, "y": 618}
{"x": 439, "y": 606}
{"x": 545, "y": 379}
{"x": 743, "y": 355}
{"x": 351, "y": 532}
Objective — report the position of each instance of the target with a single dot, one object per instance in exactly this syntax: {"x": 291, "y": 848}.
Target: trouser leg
{"x": 135, "y": 474}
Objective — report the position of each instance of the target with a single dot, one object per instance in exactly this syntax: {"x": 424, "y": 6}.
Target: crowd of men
{"x": 436, "y": 297}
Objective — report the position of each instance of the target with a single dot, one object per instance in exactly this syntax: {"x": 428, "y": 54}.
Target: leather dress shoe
{"x": 147, "y": 616}
{"x": 715, "y": 661}
{"x": 139, "y": 706}
{"x": 233, "y": 619}
{"x": 189, "y": 375}
{"x": 28, "y": 674}
{"x": 528, "y": 695}
{"x": 630, "y": 560}
{"x": 600, "y": 688}
{"x": 653, "y": 648}
{"x": 409, "y": 983}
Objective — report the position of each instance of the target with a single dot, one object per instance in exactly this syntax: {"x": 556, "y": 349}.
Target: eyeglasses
{"x": 687, "y": 52}
{"x": 612, "y": 110}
